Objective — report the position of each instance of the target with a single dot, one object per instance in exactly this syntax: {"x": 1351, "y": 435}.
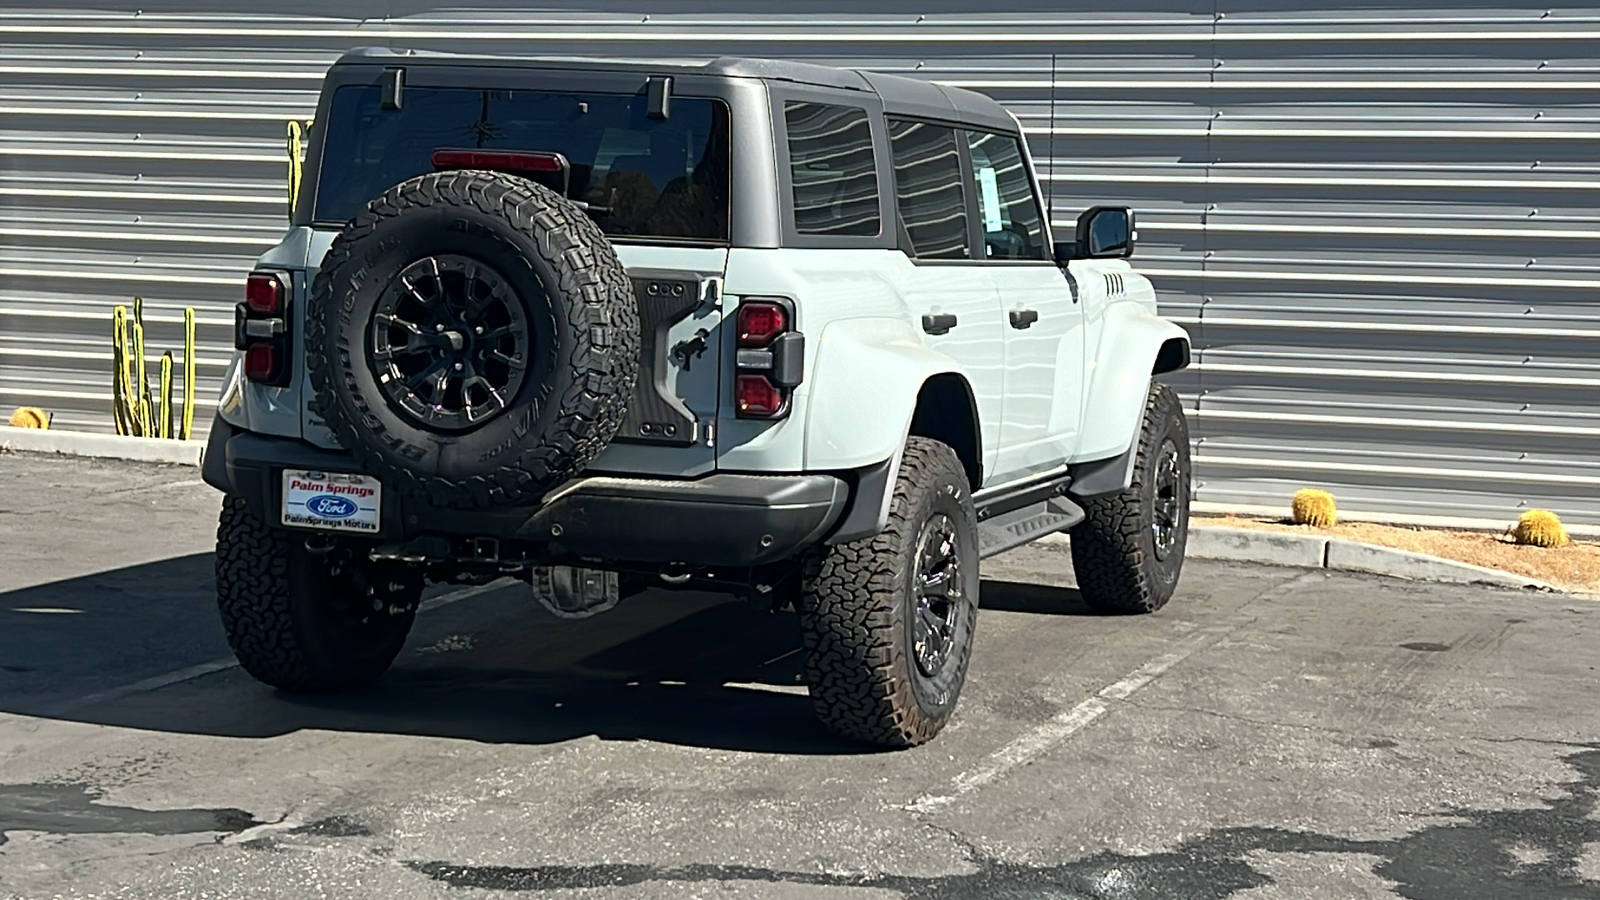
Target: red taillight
{"x": 261, "y": 363}
{"x": 261, "y": 327}
{"x": 499, "y": 160}
{"x": 263, "y": 294}
{"x": 756, "y": 395}
{"x": 760, "y": 321}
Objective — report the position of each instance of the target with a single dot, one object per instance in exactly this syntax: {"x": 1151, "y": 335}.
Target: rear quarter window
{"x": 833, "y": 169}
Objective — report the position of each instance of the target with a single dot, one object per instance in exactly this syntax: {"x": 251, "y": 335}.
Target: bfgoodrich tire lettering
{"x": 581, "y": 340}
{"x": 874, "y": 676}
{"x": 302, "y": 621}
{"x": 1128, "y": 552}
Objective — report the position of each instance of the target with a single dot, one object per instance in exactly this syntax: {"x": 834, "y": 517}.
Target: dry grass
{"x": 1574, "y": 567}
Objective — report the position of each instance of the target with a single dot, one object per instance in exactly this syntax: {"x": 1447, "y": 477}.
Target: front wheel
{"x": 1128, "y": 552}
{"x": 305, "y": 621}
{"x": 888, "y": 621}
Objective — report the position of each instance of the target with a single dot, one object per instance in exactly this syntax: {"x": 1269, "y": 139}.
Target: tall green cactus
{"x": 164, "y": 418}
{"x": 142, "y": 385}
{"x": 119, "y": 362}
{"x": 139, "y": 408}
{"x": 188, "y": 374}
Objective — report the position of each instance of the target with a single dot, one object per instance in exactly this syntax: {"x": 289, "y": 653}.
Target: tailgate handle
{"x": 939, "y": 324}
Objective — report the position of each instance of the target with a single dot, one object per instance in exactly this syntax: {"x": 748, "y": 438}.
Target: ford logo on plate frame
{"x": 329, "y": 506}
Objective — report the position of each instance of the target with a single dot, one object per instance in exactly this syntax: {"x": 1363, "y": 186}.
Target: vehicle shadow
{"x": 1037, "y": 599}
{"x": 685, "y": 668}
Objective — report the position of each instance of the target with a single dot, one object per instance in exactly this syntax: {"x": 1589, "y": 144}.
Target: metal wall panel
{"x": 1379, "y": 223}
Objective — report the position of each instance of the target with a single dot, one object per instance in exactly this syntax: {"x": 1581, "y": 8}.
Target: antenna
{"x": 1050, "y": 186}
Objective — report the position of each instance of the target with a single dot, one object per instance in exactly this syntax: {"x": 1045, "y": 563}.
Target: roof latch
{"x": 659, "y": 94}
{"x": 394, "y": 84}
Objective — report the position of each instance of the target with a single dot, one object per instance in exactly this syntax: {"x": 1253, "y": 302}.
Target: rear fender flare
{"x": 867, "y": 378}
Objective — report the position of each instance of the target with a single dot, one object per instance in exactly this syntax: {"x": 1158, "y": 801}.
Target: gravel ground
{"x": 1575, "y": 567}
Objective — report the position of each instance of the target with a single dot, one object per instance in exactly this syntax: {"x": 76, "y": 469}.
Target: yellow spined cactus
{"x": 30, "y": 417}
{"x": 1540, "y": 528}
{"x": 1315, "y": 508}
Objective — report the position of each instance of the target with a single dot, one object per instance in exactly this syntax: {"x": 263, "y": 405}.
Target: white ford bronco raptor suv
{"x": 793, "y": 332}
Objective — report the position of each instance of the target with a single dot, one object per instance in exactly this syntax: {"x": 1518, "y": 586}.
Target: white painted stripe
{"x": 1041, "y": 739}
{"x": 796, "y": 690}
{"x": 1397, "y": 375}
{"x": 162, "y": 277}
{"x": 1375, "y": 278}
{"x": 139, "y": 687}
{"x": 465, "y": 593}
{"x": 1409, "y": 327}
{"x": 190, "y": 673}
{"x": 154, "y": 237}
{"x": 894, "y": 34}
{"x": 1346, "y": 466}
{"x": 1202, "y": 81}
{"x": 1282, "y": 416}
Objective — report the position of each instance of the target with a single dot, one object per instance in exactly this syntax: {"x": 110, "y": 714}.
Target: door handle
{"x": 939, "y": 324}
{"x": 1022, "y": 318}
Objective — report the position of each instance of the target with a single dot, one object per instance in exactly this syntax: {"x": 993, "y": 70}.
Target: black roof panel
{"x": 908, "y": 96}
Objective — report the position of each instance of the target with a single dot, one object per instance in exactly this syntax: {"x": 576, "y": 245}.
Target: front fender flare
{"x": 1130, "y": 342}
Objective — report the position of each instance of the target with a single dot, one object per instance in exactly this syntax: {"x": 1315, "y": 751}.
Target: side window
{"x": 834, "y": 172}
{"x": 1013, "y": 227}
{"x": 927, "y": 186}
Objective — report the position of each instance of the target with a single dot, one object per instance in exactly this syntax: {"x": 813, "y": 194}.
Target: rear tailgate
{"x": 671, "y": 425}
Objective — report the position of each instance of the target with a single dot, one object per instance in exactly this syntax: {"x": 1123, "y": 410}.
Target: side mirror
{"x": 1104, "y": 232}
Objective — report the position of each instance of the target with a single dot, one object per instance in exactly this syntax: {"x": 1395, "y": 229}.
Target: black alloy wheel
{"x": 450, "y": 343}
{"x": 1170, "y": 502}
{"x": 941, "y": 601}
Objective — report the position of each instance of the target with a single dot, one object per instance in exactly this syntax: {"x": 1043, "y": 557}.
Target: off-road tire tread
{"x": 850, "y": 616}
{"x": 254, "y": 597}
{"x": 601, "y": 345}
{"x": 1108, "y": 547}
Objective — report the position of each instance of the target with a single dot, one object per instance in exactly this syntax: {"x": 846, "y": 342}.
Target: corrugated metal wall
{"x": 1378, "y": 220}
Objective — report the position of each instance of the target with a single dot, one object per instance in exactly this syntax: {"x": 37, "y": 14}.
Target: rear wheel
{"x": 888, "y": 620}
{"x": 1128, "y": 552}
{"x": 304, "y": 621}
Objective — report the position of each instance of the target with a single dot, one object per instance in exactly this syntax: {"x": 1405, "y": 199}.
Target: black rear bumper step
{"x": 725, "y": 519}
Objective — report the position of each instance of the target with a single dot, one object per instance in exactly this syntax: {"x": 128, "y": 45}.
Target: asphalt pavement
{"x": 1273, "y": 733}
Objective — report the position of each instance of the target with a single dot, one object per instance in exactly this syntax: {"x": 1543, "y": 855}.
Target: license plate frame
{"x": 331, "y": 501}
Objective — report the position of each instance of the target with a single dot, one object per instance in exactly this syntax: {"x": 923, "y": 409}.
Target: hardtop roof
{"x": 899, "y": 94}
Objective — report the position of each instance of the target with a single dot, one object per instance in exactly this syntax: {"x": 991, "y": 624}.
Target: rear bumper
{"x": 719, "y": 520}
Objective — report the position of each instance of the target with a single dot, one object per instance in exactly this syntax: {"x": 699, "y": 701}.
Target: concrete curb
{"x": 1312, "y": 551}
{"x": 104, "y": 446}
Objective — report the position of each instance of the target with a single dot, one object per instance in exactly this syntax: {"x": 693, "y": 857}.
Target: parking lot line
{"x": 1031, "y": 744}
{"x": 138, "y": 687}
{"x": 190, "y": 673}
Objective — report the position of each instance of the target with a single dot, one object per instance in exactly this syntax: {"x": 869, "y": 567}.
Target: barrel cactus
{"x": 1540, "y": 528}
{"x": 1315, "y": 508}
{"x": 30, "y": 417}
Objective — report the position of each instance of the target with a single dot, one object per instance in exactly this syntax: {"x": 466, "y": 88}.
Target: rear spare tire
{"x": 472, "y": 337}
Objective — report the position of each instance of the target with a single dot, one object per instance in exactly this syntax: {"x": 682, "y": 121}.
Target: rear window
{"x": 647, "y": 178}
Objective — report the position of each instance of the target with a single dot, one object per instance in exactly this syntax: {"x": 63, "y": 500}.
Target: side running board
{"x": 1029, "y": 523}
